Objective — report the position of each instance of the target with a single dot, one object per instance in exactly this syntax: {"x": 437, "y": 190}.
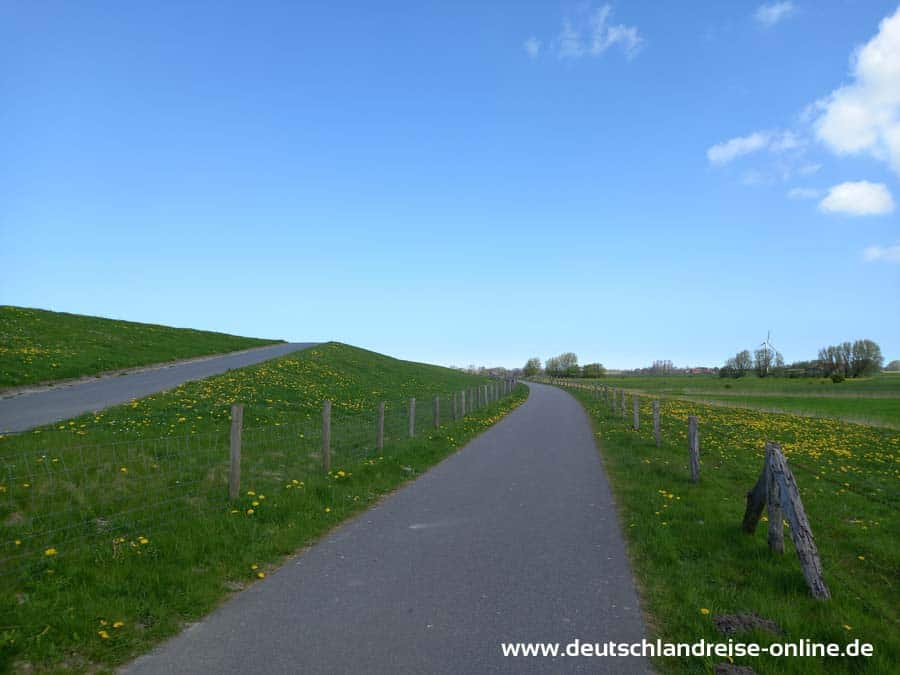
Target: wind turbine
{"x": 768, "y": 347}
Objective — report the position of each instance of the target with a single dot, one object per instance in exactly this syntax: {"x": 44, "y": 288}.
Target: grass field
{"x": 693, "y": 561}
{"x": 117, "y": 527}
{"x": 41, "y": 346}
{"x": 869, "y": 400}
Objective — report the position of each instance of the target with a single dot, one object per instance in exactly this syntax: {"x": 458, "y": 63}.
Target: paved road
{"x": 514, "y": 538}
{"x": 44, "y": 406}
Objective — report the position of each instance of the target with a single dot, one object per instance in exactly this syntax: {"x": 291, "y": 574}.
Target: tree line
{"x": 564, "y": 365}
{"x": 847, "y": 359}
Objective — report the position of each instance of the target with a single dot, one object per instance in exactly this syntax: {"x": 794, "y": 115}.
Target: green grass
{"x": 199, "y": 546}
{"x": 41, "y": 346}
{"x": 689, "y": 553}
{"x": 870, "y": 400}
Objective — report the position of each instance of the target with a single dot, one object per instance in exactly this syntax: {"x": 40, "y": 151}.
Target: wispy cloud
{"x": 771, "y": 13}
{"x": 804, "y": 193}
{"x": 882, "y": 253}
{"x": 774, "y": 141}
{"x": 532, "y": 47}
{"x": 590, "y": 33}
{"x": 859, "y": 198}
{"x": 864, "y": 116}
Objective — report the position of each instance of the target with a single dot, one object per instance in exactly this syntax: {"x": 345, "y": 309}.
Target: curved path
{"x": 50, "y": 404}
{"x": 512, "y": 539}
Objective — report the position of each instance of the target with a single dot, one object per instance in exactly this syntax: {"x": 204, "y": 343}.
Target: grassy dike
{"x": 692, "y": 561}
{"x": 100, "y": 601}
{"x": 37, "y": 345}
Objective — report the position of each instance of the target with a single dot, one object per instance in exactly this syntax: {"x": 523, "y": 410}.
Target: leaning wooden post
{"x": 656, "y": 434}
{"x": 776, "y": 526}
{"x": 379, "y": 432}
{"x": 801, "y": 533}
{"x": 436, "y": 412}
{"x": 326, "y": 436}
{"x": 412, "y": 417}
{"x": 694, "y": 448}
{"x": 636, "y": 411}
{"x": 234, "y": 475}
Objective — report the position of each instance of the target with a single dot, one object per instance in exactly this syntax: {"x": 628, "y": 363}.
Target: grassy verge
{"x": 143, "y": 536}
{"x": 870, "y": 400}
{"x": 41, "y": 346}
{"x": 693, "y": 562}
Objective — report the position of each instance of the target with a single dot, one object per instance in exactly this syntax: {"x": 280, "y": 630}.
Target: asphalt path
{"x": 514, "y": 538}
{"x": 50, "y": 404}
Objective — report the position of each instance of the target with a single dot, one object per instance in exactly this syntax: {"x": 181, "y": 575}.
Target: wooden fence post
{"x": 801, "y": 534}
{"x": 776, "y": 526}
{"x": 656, "y": 422}
{"x": 436, "y": 412}
{"x": 623, "y": 404}
{"x": 234, "y": 475}
{"x": 412, "y": 417}
{"x": 636, "y": 411}
{"x": 694, "y": 448}
{"x": 379, "y": 431}
{"x": 326, "y": 436}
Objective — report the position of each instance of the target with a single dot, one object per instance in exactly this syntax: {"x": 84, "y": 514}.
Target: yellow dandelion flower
{"x": 861, "y": 557}
{"x": 846, "y": 627}
{"x": 143, "y": 541}
{"x": 261, "y": 575}
{"x": 704, "y": 611}
{"x": 254, "y": 566}
{"x": 124, "y": 469}
{"x": 255, "y": 504}
{"x": 327, "y": 509}
{"x": 250, "y": 512}
{"x": 50, "y": 552}
{"x": 118, "y": 624}
{"x": 103, "y": 634}
{"x": 251, "y": 493}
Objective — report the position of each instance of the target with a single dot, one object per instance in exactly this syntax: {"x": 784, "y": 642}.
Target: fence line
{"x": 57, "y": 497}
{"x": 775, "y": 489}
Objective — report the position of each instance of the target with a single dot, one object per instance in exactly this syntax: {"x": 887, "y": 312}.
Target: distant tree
{"x": 660, "y": 367}
{"x": 893, "y": 366}
{"x": 866, "y": 358}
{"x": 532, "y": 367}
{"x": 552, "y": 367}
{"x": 593, "y": 370}
{"x": 767, "y": 361}
{"x": 743, "y": 362}
{"x": 862, "y": 357}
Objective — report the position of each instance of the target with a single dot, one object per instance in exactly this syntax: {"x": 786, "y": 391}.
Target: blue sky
{"x": 460, "y": 182}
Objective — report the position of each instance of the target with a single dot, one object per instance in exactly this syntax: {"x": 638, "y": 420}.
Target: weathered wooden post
{"x": 455, "y": 406}
{"x": 775, "y": 535}
{"x": 694, "y": 447}
{"x": 801, "y": 533}
{"x": 656, "y": 433}
{"x": 379, "y": 430}
{"x": 234, "y": 475}
{"x": 623, "y": 405}
{"x": 436, "y": 412}
{"x": 326, "y": 436}
{"x": 412, "y": 417}
{"x": 462, "y": 402}
{"x": 636, "y": 411}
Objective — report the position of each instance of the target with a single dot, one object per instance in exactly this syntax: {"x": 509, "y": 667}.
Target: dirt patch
{"x": 731, "y": 669}
{"x": 739, "y": 623}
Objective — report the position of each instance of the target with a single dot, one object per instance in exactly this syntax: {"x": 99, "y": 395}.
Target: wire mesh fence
{"x": 819, "y": 448}
{"x": 59, "y": 496}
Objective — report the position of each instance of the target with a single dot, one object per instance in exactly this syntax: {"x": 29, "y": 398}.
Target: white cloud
{"x": 592, "y": 34}
{"x": 885, "y": 253}
{"x": 729, "y": 150}
{"x": 769, "y": 15}
{"x": 860, "y": 198}
{"x": 532, "y": 47}
{"x": 864, "y": 117}
{"x": 804, "y": 193}
{"x": 724, "y": 152}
